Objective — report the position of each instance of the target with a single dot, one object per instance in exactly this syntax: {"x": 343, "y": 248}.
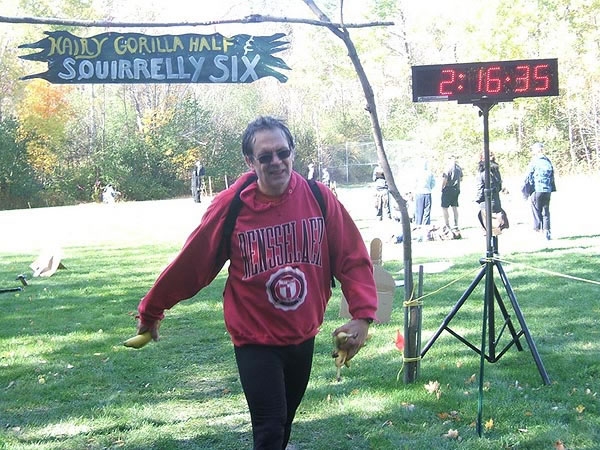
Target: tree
{"x": 343, "y": 33}
{"x": 18, "y": 186}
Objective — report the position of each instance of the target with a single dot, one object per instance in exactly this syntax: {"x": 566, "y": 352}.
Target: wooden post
{"x": 412, "y": 333}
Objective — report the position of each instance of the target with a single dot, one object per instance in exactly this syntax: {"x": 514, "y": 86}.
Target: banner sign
{"x": 139, "y": 58}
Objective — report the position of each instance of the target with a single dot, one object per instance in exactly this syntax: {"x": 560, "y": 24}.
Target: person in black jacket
{"x": 451, "y": 178}
{"x": 495, "y": 183}
{"x": 499, "y": 218}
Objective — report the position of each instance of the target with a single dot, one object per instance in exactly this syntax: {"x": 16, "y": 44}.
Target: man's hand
{"x": 358, "y": 329}
{"x": 153, "y": 329}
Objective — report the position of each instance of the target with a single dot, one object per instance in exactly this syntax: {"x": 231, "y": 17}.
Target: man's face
{"x": 272, "y": 161}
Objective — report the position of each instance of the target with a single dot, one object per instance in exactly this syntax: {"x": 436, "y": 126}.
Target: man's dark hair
{"x": 260, "y": 124}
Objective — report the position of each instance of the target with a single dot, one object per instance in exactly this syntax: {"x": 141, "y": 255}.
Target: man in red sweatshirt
{"x": 282, "y": 254}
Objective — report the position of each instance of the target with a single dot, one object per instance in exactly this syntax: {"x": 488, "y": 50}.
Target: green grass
{"x": 67, "y": 382}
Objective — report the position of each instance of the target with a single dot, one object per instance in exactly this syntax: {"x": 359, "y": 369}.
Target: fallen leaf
{"x": 558, "y": 445}
{"x": 580, "y": 408}
{"x": 451, "y": 434}
{"x": 471, "y": 379}
{"x": 489, "y": 424}
{"x": 432, "y": 387}
{"x": 449, "y": 416}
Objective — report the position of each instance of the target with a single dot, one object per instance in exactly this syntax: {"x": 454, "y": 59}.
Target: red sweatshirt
{"x": 282, "y": 258}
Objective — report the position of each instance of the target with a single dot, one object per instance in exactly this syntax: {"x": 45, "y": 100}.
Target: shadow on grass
{"x": 66, "y": 381}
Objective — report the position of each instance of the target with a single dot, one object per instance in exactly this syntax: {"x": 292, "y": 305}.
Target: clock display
{"x": 499, "y": 81}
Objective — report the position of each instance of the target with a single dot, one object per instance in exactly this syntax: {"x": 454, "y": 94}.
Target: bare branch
{"x": 254, "y": 18}
{"x": 342, "y": 32}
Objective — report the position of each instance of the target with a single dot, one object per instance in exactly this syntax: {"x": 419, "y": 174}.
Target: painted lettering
{"x": 140, "y": 45}
{"x": 294, "y": 242}
{"x": 232, "y": 75}
{"x": 140, "y": 66}
{"x": 197, "y": 63}
{"x": 86, "y": 70}
{"x": 250, "y": 65}
{"x": 68, "y": 64}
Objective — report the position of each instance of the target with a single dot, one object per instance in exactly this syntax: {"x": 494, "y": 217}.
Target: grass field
{"x": 66, "y": 381}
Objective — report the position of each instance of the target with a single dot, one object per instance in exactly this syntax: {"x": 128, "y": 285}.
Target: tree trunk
{"x": 371, "y": 108}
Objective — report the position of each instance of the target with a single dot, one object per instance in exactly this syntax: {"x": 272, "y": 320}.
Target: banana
{"x": 139, "y": 340}
{"x": 341, "y": 356}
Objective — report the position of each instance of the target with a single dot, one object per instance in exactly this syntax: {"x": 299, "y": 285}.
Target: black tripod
{"x": 492, "y": 296}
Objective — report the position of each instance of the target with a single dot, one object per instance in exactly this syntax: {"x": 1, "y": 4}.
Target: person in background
{"x": 499, "y": 219}
{"x": 325, "y": 177}
{"x": 451, "y": 179}
{"x": 382, "y": 194}
{"x": 424, "y": 184}
{"x": 197, "y": 179}
{"x": 109, "y": 194}
{"x": 311, "y": 172}
{"x": 282, "y": 255}
{"x": 495, "y": 183}
{"x": 540, "y": 175}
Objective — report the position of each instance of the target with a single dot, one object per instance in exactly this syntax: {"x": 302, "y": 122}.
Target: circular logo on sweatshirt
{"x": 286, "y": 288}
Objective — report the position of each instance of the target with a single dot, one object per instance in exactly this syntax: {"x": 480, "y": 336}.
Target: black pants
{"x": 540, "y": 208}
{"x": 274, "y": 380}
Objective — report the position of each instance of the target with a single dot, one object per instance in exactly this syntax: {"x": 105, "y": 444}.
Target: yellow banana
{"x": 139, "y": 340}
{"x": 341, "y": 356}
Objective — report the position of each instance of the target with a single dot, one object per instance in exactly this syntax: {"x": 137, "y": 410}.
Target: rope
{"x": 449, "y": 284}
{"x": 406, "y": 360}
{"x": 419, "y": 302}
{"x": 550, "y": 272}
{"x": 411, "y": 303}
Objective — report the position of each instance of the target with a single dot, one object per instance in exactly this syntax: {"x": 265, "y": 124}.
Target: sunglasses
{"x": 267, "y": 158}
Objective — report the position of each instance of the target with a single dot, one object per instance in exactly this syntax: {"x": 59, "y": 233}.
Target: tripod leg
{"x": 507, "y": 321}
{"x": 489, "y": 314}
{"x": 454, "y": 310}
{"x": 519, "y": 314}
{"x": 482, "y": 358}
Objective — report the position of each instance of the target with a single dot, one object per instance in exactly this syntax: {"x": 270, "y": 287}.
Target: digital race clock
{"x": 498, "y": 81}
